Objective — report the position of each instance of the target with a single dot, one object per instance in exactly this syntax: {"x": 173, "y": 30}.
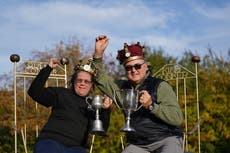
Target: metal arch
{"x": 174, "y": 72}
{"x": 30, "y": 69}
{"x": 178, "y": 72}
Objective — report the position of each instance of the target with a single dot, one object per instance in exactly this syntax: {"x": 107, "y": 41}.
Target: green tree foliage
{"x": 214, "y": 88}
{"x": 214, "y": 84}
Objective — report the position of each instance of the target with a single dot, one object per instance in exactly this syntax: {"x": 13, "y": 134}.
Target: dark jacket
{"x": 70, "y": 119}
{"x": 162, "y": 121}
{"x": 149, "y": 128}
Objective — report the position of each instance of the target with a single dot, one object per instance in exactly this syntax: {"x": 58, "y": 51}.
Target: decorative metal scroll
{"x": 29, "y": 69}
{"x": 32, "y": 68}
{"x": 173, "y": 72}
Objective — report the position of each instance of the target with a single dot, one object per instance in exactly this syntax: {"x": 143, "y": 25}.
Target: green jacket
{"x": 166, "y": 108}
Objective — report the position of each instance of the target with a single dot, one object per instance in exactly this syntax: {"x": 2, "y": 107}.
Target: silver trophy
{"x": 128, "y": 99}
{"x": 96, "y": 104}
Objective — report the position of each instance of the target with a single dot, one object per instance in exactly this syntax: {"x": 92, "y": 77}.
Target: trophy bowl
{"x": 128, "y": 100}
{"x": 97, "y": 101}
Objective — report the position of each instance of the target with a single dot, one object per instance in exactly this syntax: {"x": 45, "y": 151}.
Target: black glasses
{"x": 136, "y": 66}
{"x": 85, "y": 81}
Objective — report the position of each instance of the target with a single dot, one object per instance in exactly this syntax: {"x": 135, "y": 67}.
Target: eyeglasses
{"x": 136, "y": 66}
{"x": 85, "y": 81}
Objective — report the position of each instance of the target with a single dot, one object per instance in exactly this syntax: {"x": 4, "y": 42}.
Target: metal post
{"x": 186, "y": 116}
{"x": 15, "y": 109}
{"x": 36, "y": 126}
{"x": 15, "y": 58}
{"x": 196, "y": 60}
{"x": 65, "y": 75}
{"x": 65, "y": 62}
{"x": 198, "y": 110}
{"x": 25, "y": 114}
{"x": 92, "y": 143}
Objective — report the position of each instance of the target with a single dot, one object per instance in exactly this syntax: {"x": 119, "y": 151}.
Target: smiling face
{"x": 83, "y": 83}
{"x": 136, "y": 70}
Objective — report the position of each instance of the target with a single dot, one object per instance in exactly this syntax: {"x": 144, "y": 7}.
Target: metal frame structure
{"x": 169, "y": 72}
{"x": 177, "y": 72}
{"x": 29, "y": 69}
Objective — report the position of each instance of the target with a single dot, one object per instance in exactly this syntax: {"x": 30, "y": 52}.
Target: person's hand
{"x": 145, "y": 99}
{"x": 53, "y": 62}
{"x": 107, "y": 102}
{"x": 100, "y": 45}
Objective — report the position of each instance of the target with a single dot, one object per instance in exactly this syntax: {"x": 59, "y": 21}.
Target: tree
{"x": 214, "y": 89}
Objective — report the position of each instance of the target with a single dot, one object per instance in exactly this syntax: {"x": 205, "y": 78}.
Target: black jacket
{"x": 70, "y": 119}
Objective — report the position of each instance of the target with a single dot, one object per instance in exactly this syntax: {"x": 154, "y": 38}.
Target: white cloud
{"x": 35, "y": 25}
{"x": 218, "y": 13}
{"x": 60, "y": 17}
{"x": 216, "y": 18}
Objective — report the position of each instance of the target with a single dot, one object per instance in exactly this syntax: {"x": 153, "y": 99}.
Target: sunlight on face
{"x": 83, "y": 83}
{"x": 136, "y": 70}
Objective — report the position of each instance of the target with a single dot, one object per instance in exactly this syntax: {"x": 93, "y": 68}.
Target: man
{"x": 68, "y": 126}
{"x": 157, "y": 122}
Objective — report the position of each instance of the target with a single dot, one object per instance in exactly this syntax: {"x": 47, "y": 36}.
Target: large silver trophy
{"x": 96, "y": 104}
{"x": 128, "y": 99}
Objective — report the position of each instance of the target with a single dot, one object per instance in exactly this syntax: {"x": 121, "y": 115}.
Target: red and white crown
{"x": 131, "y": 52}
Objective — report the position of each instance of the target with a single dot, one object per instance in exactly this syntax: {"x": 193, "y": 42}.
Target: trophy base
{"x": 99, "y": 132}
{"x": 97, "y": 128}
{"x": 127, "y": 129}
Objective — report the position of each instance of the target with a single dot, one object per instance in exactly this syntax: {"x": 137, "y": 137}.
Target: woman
{"x": 68, "y": 126}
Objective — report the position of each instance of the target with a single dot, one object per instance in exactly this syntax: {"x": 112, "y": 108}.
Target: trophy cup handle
{"x": 87, "y": 101}
{"x": 138, "y": 107}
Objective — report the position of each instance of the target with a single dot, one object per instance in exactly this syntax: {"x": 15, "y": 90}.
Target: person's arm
{"x": 167, "y": 107}
{"x": 105, "y": 111}
{"x": 37, "y": 90}
{"x": 104, "y": 82}
{"x": 101, "y": 44}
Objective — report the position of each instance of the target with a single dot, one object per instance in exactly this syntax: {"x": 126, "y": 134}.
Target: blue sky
{"x": 174, "y": 25}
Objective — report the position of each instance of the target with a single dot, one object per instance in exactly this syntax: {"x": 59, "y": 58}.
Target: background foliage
{"x": 214, "y": 95}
